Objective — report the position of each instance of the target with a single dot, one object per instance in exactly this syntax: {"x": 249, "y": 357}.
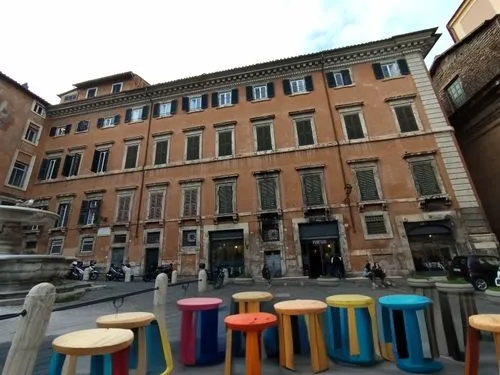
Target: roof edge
{"x": 24, "y": 89}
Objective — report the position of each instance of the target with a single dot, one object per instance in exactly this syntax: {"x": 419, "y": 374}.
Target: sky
{"x": 53, "y": 44}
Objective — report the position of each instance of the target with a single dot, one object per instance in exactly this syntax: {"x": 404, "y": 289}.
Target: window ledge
{"x": 87, "y": 226}
{"x": 224, "y": 157}
{"x": 30, "y": 143}
{"x": 380, "y": 202}
{"x": 264, "y": 152}
{"x": 164, "y": 116}
{"x": 82, "y": 131}
{"x": 60, "y": 229}
{"x": 260, "y": 100}
{"x": 226, "y": 217}
{"x": 125, "y": 224}
{"x": 107, "y": 127}
{"x": 16, "y": 187}
{"x": 300, "y": 93}
{"x": 135, "y": 122}
{"x": 434, "y": 197}
{"x": 378, "y": 237}
{"x": 153, "y": 221}
{"x": 392, "y": 78}
{"x": 224, "y": 106}
{"x": 275, "y": 212}
{"x": 195, "y": 111}
{"x": 184, "y": 219}
{"x": 344, "y": 87}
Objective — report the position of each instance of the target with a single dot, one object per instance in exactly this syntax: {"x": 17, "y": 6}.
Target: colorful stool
{"x": 477, "y": 323}
{"x": 252, "y": 324}
{"x": 245, "y": 302}
{"x": 199, "y": 331}
{"x": 108, "y": 349}
{"x": 399, "y": 312}
{"x": 351, "y": 329}
{"x": 311, "y": 310}
{"x": 143, "y": 354}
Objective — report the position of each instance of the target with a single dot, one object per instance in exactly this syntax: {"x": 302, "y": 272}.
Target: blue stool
{"x": 351, "y": 329}
{"x": 399, "y": 312}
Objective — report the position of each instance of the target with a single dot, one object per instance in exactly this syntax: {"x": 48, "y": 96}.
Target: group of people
{"x": 374, "y": 272}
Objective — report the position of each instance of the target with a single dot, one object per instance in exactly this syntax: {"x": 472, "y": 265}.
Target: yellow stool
{"x": 249, "y": 302}
{"x": 311, "y": 310}
{"x": 352, "y": 335}
{"x": 481, "y": 322}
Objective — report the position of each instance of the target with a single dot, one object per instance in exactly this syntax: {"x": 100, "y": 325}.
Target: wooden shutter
{"x": 375, "y": 224}
{"x": 353, "y": 126}
{"x": 43, "y": 169}
{"x": 190, "y": 202}
{"x": 55, "y": 170}
{"x": 330, "y": 79}
{"x": 367, "y": 185}
{"x": 225, "y": 143}
{"x": 377, "y": 71}
{"x": 304, "y": 132}
{"x": 67, "y": 165}
{"x": 84, "y": 210}
{"x": 225, "y": 199}
{"x": 346, "y": 77}
{"x": 76, "y": 165}
{"x": 270, "y": 90}
{"x": 95, "y": 161}
{"x": 313, "y": 190}
{"x": 264, "y": 140}
{"x": 249, "y": 91}
{"x": 287, "y": 90}
{"x": 156, "y": 110}
{"x": 403, "y": 67}
{"x": 425, "y": 178}
{"x": 406, "y": 118}
{"x": 215, "y": 99}
{"x": 185, "y": 104}
{"x": 128, "y": 115}
{"x": 123, "y": 214}
{"x": 173, "y": 107}
{"x": 204, "y": 101}
{"x": 67, "y": 129}
{"x": 309, "y": 83}
{"x": 161, "y": 152}
{"x": 193, "y": 148}
{"x": 131, "y": 157}
{"x": 267, "y": 191}
{"x": 52, "y": 131}
{"x": 235, "y": 96}
{"x": 155, "y": 205}
{"x": 100, "y": 123}
{"x": 145, "y": 112}
{"x": 117, "y": 119}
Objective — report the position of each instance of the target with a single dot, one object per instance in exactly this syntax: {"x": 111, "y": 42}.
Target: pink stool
{"x": 199, "y": 331}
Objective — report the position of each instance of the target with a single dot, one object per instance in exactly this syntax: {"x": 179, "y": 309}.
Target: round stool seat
{"x": 405, "y": 301}
{"x": 128, "y": 320}
{"x": 250, "y": 322}
{"x": 300, "y": 307}
{"x": 98, "y": 341}
{"x": 349, "y": 300}
{"x": 198, "y": 304}
{"x": 486, "y": 322}
{"x": 252, "y": 296}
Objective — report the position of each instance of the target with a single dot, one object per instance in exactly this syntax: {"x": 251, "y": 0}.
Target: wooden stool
{"x": 200, "y": 331}
{"x": 481, "y": 322}
{"x": 351, "y": 328}
{"x": 108, "y": 349}
{"x": 311, "y": 310}
{"x": 137, "y": 321}
{"x": 252, "y": 324}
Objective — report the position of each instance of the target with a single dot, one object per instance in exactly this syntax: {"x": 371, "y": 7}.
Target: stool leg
{"x": 413, "y": 337}
{"x": 142, "y": 351}
{"x": 97, "y": 365}
{"x": 252, "y": 355}
{"x": 71, "y": 369}
{"x": 286, "y": 342}
{"x": 229, "y": 352}
{"x": 188, "y": 334}
{"x": 317, "y": 345}
{"x": 119, "y": 362}
{"x": 353, "y": 332}
{"x": 472, "y": 351}
{"x": 497, "y": 349}
{"x": 56, "y": 363}
{"x": 253, "y": 307}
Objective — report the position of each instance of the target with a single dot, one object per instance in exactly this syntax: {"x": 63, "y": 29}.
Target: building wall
{"x": 470, "y": 16}
{"x": 385, "y": 147}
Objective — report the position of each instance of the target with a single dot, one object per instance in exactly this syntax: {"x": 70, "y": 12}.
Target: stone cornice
{"x": 420, "y": 41}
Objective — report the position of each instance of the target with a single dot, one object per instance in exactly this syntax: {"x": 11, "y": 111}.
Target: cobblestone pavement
{"x": 82, "y": 318}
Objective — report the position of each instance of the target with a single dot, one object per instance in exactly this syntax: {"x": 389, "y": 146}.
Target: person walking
{"x": 266, "y": 274}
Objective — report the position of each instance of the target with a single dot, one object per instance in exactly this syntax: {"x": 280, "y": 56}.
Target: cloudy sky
{"x": 52, "y": 44}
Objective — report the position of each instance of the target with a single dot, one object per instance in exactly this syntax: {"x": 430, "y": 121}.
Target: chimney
{"x": 25, "y": 85}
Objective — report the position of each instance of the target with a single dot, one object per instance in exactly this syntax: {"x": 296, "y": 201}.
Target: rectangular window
{"x": 264, "y": 137}
{"x": 368, "y": 187}
{"x": 161, "y": 151}
{"x": 339, "y": 79}
{"x": 270, "y": 229}
{"x": 225, "y": 197}
{"x": 190, "y": 201}
{"x": 56, "y": 246}
{"x": 305, "y": 131}
{"x": 164, "y": 109}
{"x": 109, "y": 122}
{"x": 406, "y": 118}
{"x": 425, "y": 176}
{"x": 193, "y": 146}
{"x": 124, "y": 204}
{"x": 153, "y": 238}
{"x": 30, "y": 245}
{"x": 390, "y": 69}
{"x": 156, "y": 204}
{"x": 189, "y": 238}
{"x": 63, "y": 212}
{"x": 38, "y": 109}
{"x": 456, "y": 93}
{"x": 353, "y": 124}
{"x": 260, "y": 92}
{"x": 117, "y": 87}
{"x": 18, "y": 174}
{"x": 195, "y": 103}
{"x": 91, "y": 93}
{"x": 87, "y": 244}
{"x": 375, "y": 225}
{"x": 82, "y": 126}
{"x": 224, "y": 98}
{"x": 49, "y": 168}
{"x": 131, "y": 154}
{"x": 70, "y": 97}
{"x": 298, "y": 86}
{"x": 136, "y": 114}
{"x": 89, "y": 212}
{"x": 59, "y": 131}
{"x": 225, "y": 142}
{"x": 268, "y": 193}
{"x": 71, "y": 164}
{"x": 32, "y": 133}
{"x": 312, "y": 189}
{"x": 100, "y": 161}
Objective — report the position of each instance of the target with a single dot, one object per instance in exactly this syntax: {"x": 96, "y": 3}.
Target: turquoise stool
{"x": 108, "y": 349}
{"x": 399, "y": 312}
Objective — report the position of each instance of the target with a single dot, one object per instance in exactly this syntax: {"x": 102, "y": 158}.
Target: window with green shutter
{"x": 161, "y": 151}
{"x": 406, "y": 118}
{"x": 193, "y": 147}
{"x": 131, "y": 156}
{"x": 305, "y": 134}
{"x": 225, "y": 199}
{"x": 424, "y": 175}
{"x": 313, "y": 189}
{"x": 263, "y": 135}
{"x": 267, "y": 192}
{"x": 225, "y": 142}
{"x": 353, "y": 126}
{"x": 367, "y": 185}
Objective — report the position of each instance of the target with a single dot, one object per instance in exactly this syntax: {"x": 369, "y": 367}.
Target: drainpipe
{"x": 144, "y": 163}
{"x": 347, "y": 187}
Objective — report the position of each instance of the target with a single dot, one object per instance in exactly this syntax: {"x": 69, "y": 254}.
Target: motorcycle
{"x": 116, "y": 273}
{"x": 93, "y": 272}
{"x": 156, "y": 270}
{"x": 75, "y": 271}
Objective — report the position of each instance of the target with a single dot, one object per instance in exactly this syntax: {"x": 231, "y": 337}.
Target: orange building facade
{"x": 288, "y": 162}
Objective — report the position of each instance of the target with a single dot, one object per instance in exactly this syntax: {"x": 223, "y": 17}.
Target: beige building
{"x": 470, "y": 15}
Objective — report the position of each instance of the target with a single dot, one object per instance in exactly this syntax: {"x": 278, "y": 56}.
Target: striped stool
{"x": 351, "y": 329}
{"x": 399, "y": 312}
{"x": 108, "y": 348}
{"x": 311, "y": 311}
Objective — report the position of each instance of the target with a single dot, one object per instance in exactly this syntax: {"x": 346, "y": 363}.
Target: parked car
{"x": 479, "y": 270}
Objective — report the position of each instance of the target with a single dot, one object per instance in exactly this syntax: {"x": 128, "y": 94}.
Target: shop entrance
{"x": 226, "y": 248}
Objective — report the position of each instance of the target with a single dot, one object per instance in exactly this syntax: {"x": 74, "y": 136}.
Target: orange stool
{"x": 481, "y": 322}
{"x": 252, "y": 324}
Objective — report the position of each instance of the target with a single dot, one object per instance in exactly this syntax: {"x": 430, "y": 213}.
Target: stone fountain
{"x": 19, "y": 272}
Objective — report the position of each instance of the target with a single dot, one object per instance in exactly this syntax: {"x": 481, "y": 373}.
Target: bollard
{"x": 226, "y": 276}
{"x": 173, "y": 279}
{"x": 159, "y": 303}
{"x": 202, "y": 281}
{"x": 128, "y": 274}
{"x": 30, "y": 330}
{"x": 86, "y": 274}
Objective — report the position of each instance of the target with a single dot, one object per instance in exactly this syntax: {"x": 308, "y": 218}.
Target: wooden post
{"x": 174, "y": 276}
{"x": 30, "y": 330}
{"x": 159, "y": 303}
{"x": 202, "y": 281}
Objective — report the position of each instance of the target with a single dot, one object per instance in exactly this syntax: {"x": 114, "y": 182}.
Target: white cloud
{"x": 53, "y": 44}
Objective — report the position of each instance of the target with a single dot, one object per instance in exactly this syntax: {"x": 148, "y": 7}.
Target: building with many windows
{"x": 288, "y": 162}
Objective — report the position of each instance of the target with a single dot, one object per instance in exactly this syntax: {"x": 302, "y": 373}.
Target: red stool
{"x": 252, "y": 324}
{"x": 200, "y": 331}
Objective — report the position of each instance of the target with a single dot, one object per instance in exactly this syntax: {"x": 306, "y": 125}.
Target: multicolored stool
{"x": 252, "y": 324}
{"x": 310, "y": 311}
{"x": 477, "y": 323}
{"x": 245, "y": 302}
{"x": 108, "y": 348}
{"x": 351, "y": 329}
{"x": 199, "y": 331}
{"x": 399, "y": 312}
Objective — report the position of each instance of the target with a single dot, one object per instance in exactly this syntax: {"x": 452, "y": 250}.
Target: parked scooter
{"x": 156, "y": 270}
{"x": 75, "y": 271}
{"x": 93, "y": 272}
{"x": 116, "y": 273}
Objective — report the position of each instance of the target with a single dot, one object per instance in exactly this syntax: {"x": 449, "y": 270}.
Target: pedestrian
{"x": 266, "y": 274}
